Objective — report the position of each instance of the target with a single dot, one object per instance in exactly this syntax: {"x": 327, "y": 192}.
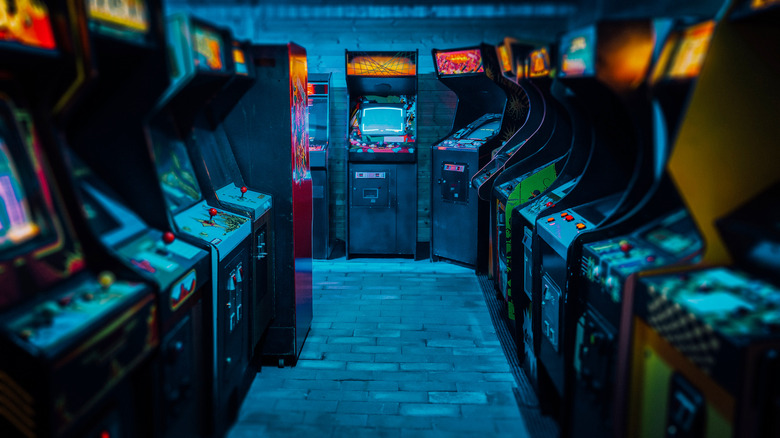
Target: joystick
{"x": 212, "y": 213}
{"x": 168, "y": 237}
{"x": 243, "y": 190}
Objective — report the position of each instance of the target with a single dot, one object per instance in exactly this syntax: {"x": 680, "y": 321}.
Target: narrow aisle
{"x": 398, "y": 348}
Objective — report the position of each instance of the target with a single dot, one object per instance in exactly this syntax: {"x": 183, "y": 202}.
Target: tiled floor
{"x": 397, "y": 348}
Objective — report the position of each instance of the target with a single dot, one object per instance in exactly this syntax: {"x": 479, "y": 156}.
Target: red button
{"x": 551, "y": 219}
{"x": 564, "y": 214}
{"x": 569, "y": 218}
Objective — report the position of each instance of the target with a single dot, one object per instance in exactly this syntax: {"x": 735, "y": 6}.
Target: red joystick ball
{"x": 212, "y": 213}
{"x": 168, "y": 237}
{"x": 243, "y": 190}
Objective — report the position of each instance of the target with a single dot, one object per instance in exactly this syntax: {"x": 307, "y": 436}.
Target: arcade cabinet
{"x": 381, "y": 154}
{"x": 658, "y": 234}
{"x": 528, "y": 172}
{"x": 319, "y": 139}
{"x": 596, "y": 66}
{"x": 268, "y": 135}
{"x": 200, "y": 66}
{"x": 485, "y": 117}
{"x": 109, "y": 161}
{"x": 75, "y": 323}
{"x": 222, "y": 184}
{"x": 701, "y": 350}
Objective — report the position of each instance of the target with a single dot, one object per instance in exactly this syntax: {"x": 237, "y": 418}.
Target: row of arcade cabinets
{"x": 382, "y": 153}
{"x": 319, "y": 139}
{"x": 491, "y": 109}
{"x": 649, "y": 293}
{"x": 136, "y": 283}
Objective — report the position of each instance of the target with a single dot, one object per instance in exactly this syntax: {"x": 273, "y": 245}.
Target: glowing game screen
{"x": 240, "y": 62}
{"x": 16, "y": 224}
{"x": 318, "y": 119}
{"x": 539, "y": 63}
{"x": 382, "y": 120}
{"x": 176, "y": 174}
{"x": 579, "y": 53}
{"x": 460, "y": 62}
{"x": 209, "y": 53}
{"x": 692, "y": 49}
{"x": 27, "y": 23}
{"x": 129, "y": 15}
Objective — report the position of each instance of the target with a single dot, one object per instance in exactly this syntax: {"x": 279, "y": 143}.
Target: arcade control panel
{"x": 218, "y": 227}
{"x": 560, "y": 229}
{"x": 86, "y": 335}
{"x": 171, "y": 262}
{"x": 495, "y": 164}
{"x": 671, "y": 239}
{"x": 244, "y": 198}
{"x": 547, "y": 200}
{"x": 724, "y": 313}
{"x": 473, "y": 135}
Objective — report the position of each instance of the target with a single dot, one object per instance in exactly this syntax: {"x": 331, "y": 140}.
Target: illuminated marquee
{"x": 539, "y": 63}
{"x": 459, "y": 62}
{"x": 691, "y": 51}
{"x": 29, "y": 24}
{"x": 400, "y": 64}
{"x": 208, "y": 50}
{"x": 128, "y": 14}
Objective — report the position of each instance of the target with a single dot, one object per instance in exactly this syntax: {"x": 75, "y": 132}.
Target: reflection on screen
{"x": 176, "y": 175}
{"x": 16, "y": 225}
{"x": 382, "y": 121}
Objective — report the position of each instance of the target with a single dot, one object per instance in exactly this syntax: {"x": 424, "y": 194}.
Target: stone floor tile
{"x": 397, "y": 348}
{"x": 429, "y": 410}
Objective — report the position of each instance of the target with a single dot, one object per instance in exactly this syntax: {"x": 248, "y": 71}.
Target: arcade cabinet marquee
{"x": 382, "y": 162}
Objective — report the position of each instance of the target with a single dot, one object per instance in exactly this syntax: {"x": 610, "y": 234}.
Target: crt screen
{"x": 382, "y": 121}
{"x": 318, "y": 120}
{"x": 208, "y": 50}
{"x": 176, "y": 175}
{"x": 16, "y": 225}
